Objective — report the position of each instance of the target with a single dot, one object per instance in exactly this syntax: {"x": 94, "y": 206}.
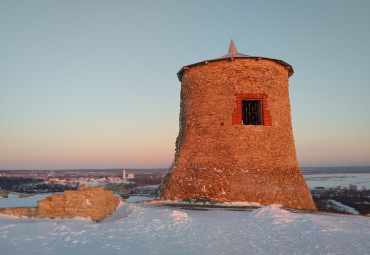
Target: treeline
{"x": 33, "y": 185}
{"x": 144, "y": 180}
{"x": 144, "y": 185}
{"x": 9, "y": 183}
{"x": 358, "y": 199}
{"x": 118, "y": 188}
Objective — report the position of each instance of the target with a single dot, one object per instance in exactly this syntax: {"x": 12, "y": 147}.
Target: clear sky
{"x": 92, "y": 84}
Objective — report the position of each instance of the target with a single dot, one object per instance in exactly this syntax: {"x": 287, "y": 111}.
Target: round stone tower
{"x": 235, "y": 141}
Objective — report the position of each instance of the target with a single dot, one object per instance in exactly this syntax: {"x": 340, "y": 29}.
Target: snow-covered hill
{"x": 156, "y": 229}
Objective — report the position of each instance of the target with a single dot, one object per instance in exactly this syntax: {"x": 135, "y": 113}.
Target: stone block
{"x": 92, "y": 202}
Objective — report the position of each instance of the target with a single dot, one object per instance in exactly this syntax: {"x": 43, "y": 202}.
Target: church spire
{"x": 232, "y": 48}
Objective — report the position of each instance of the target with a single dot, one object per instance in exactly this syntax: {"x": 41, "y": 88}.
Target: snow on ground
{"x": 335, "y": 180}
{"x": 14, "y": 201}
{"x": 343, "y": 207}
{"x": 158, "y": 229}
{"x": 133, "y": 199}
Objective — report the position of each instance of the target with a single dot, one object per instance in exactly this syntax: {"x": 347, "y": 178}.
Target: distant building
{"x": 130, "y": 176}
{"x": 114, "y": 179}
{"x": 124, "y": 174}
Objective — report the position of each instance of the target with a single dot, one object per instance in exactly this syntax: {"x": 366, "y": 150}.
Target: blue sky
{"x": 92, "y": 84}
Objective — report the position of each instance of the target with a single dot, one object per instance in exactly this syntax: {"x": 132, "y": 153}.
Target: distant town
{"x": 137, "y": 181}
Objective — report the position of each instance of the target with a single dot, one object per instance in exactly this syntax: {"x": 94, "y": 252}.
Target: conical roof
{"x": 232, "y": 54}
{"x": 232, "y": 47}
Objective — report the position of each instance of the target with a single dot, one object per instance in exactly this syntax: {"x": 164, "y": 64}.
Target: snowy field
{"x": 13, "y": 200}
{"x": 335, "y": 180}
{"x": 156, "y": 229}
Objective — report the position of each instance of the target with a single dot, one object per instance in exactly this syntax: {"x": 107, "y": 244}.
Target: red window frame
{"x": 237, "y": 118}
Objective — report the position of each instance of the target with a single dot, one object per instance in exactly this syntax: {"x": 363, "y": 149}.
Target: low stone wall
{"x": 93, "y": 202}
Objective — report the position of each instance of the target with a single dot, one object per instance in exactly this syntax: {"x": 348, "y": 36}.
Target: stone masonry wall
{"x": 94, "y": 202}
{"x": 217, "y": 157}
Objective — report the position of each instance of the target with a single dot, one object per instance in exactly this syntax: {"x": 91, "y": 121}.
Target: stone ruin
{"x": 93, "y": 202}
{"x": 235, "y": 141}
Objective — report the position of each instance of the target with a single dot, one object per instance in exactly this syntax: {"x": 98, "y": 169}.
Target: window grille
{"x": 252, "y": 112}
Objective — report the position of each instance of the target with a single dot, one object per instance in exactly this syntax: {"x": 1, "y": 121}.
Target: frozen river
{"x": 335, "y": 180}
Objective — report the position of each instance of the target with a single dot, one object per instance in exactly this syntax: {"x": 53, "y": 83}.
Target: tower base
{"x": 285, "y": 186}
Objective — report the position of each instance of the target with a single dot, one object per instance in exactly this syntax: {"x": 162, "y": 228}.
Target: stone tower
{"x": 235, "y": 141}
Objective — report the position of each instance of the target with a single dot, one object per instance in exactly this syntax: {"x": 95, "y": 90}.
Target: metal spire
{"x": 232, "y": 48}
